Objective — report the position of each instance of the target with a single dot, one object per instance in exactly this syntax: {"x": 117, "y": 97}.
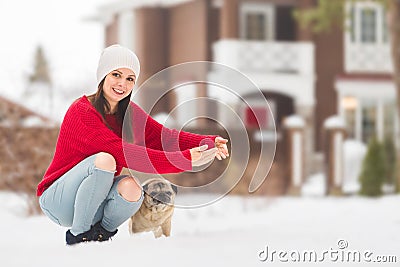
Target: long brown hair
{"x": 100, "y": 103}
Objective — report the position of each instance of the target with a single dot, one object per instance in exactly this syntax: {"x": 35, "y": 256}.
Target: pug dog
{"x": 156, "y": 211}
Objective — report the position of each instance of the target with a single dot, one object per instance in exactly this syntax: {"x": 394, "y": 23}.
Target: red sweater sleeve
{"x": 133, "y": 156}
{"x": 150, "y": 133}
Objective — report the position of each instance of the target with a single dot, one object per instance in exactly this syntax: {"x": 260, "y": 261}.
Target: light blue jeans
{"x": 86, "y": 195}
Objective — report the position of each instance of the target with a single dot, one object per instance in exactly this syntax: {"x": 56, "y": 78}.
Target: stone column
{"x": 334, "y": 136}
{"x": 307, "y": 113}
{"x": 294, "y": 127}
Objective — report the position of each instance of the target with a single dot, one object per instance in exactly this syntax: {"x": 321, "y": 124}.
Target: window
{"x": 367, "y": 40}
{"x": 350, "y": 104}
{"x": 367, "y": 117}
{"x": 352, "y": 23}
{"x": 385, "y": 30}
{"x": 367, "y": 24}
{"x": 257, "y": 21}
{"x": 255, "y": 27}
{"x": 368, "y": 122}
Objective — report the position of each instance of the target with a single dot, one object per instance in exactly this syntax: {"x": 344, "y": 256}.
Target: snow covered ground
{"x": 231, "y": 232}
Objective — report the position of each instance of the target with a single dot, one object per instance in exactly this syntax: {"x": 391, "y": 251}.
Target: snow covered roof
{"x": 294, "y": 121}
{"x": 334, "y": 122}
{"x": 14, "y": 114}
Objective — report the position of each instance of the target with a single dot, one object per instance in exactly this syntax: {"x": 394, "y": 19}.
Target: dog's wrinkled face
{"x": 159, "y": 194}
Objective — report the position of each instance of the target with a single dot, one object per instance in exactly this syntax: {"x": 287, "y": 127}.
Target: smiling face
{"x": 118, "y": 84}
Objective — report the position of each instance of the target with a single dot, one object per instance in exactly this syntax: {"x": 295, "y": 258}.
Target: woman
{"x": 82, "y": 188}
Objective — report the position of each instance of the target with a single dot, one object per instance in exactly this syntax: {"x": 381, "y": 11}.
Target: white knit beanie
{"x": 115, "y": 57}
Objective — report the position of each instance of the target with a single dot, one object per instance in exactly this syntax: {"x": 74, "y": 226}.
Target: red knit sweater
{"x": 156, "y": 149}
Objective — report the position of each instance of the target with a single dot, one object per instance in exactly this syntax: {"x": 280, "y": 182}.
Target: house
{"x": 260, "y": 39}
{"x": 366, "y": 94}
{"x": 311, "y": 75}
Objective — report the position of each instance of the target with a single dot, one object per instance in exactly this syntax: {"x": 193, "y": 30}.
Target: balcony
{"x": 296, "y": 58}
{"x": 368, "y": 58}
{"x": 284, "y": 67}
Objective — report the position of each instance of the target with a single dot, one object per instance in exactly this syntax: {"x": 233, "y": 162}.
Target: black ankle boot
{"x": 84, "y": 237}
{"x": 100, "y": 234}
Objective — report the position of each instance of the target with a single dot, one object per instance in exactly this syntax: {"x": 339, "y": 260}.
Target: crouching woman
{"x": 82, "y": 188}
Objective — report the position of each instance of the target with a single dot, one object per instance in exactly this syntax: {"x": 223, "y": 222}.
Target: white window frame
{"x": 262, "y": 8}
{"x": 358, "y": 8}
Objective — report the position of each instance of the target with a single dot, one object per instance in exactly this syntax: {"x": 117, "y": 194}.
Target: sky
{"x": 71, "y": 43}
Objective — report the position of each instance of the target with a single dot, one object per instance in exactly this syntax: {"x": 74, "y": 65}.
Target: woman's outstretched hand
{"x": 222, "y": 149}
{"x": 200, "y": 155}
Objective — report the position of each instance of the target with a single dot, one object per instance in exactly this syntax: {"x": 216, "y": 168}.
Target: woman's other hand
{"x": 222, "y": 149}
{"x": 200, "y": 155}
